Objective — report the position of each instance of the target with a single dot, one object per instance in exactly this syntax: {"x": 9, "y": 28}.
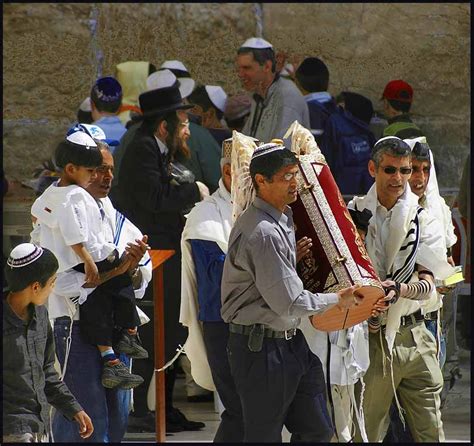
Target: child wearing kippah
{"x": 69, "y": 222}
{"x": 30, "y": 381}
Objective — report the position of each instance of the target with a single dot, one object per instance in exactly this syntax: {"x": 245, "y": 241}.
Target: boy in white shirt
{"x": 68, "y": 221}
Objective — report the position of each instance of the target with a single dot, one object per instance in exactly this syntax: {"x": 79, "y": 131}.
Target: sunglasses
{"x": 390, "y": 170}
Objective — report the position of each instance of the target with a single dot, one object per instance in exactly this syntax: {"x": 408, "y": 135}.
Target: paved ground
{"x": 456, "y": 414}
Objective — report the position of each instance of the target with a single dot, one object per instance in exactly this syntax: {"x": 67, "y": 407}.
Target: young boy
{"x": 70, "y": 223}
{"x": 30, "y": 381}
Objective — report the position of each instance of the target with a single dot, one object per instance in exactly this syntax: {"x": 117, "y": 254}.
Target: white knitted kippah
{"x": 173, "y": 65}
{"x": 257, "y": 43}
{"x": 24, "y": 254}
{"x": 217, "y": 96}
{"x": 86, "y": 105}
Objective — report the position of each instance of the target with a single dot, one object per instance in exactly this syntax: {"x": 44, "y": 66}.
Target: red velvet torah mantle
{"x": 338, "y": 258}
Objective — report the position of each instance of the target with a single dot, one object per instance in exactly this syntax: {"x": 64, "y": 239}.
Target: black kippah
{"x": 311, "y": 66}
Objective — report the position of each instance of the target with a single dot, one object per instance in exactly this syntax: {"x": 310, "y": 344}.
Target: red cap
{"x": 398, "y": 90}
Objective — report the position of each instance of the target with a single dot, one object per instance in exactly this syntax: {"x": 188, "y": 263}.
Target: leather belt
{"x": 268, "y": 333}
{"x": 411, "y": 319}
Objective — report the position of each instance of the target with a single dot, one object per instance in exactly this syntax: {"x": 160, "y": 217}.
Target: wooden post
{"x": 158, "y": 258}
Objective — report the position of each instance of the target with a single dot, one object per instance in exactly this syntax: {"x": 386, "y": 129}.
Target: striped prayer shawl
{"x": 408, "y": 252}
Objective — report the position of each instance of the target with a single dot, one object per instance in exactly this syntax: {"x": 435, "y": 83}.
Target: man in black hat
{"x": 155, "y": 202}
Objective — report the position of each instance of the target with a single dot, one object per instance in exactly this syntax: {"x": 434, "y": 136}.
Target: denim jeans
{"x": 432, "y": 327}
{"x": 107, "y": 408}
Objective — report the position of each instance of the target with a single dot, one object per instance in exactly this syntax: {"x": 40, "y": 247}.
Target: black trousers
{"x": 110, "y": 305}
{"x": 231, "y": 427}
{"x": 283, "y": 384}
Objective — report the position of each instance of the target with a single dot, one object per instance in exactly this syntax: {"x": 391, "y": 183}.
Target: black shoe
{"x": 174, "y": 427}
{"x": 144, "y": 423}
{"x": 176, "y": 419}
{"x": 130, "y": 345}
{"x": 203, "y": 398}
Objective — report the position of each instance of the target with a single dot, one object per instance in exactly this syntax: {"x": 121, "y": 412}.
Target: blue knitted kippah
{"x": 108, "y": 89}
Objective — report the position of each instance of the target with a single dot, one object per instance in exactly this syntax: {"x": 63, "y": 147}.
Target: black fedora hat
{"x": 162, "y": 100}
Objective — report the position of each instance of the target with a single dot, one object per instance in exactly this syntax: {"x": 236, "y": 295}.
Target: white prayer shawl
{"x": 414, "y": 237}
{"x": 349, "y": 358}
{"x": 435, "y": 203}
{"x": 437, "y": 206}
{"x": 348, "y": 362}
{"x": 125, "y": 232}
{"x": 210, "y": 220}
{"x": 69, "y": 283}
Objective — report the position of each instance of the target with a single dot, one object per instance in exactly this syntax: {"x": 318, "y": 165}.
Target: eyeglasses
{"x": 390, "y": 170}
{"x": 289, "y": 176}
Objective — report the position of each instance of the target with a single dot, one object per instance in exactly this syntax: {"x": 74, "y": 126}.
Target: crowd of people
{"x": 150, "y": 165}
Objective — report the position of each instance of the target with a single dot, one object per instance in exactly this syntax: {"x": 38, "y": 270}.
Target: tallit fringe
{"x": 438, "y": 335}
{"x": 384, "y": 366}
{"x": 179, "y": 350}
{"x": 359, "y": 411}
{"x": 390, "y": 359}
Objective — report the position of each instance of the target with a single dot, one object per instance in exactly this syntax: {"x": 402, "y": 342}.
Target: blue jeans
{"x": 107, "y": 408}
{"x": 432, "y": 327}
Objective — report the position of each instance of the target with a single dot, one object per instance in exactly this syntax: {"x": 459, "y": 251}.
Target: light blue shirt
{"x": 112, "y": 127}
{"x": 320, "y": 96}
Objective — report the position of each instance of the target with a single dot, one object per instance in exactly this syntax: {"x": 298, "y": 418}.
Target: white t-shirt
{"x": 67, "y": 216}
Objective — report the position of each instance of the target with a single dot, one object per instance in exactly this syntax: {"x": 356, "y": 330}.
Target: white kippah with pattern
{"x": 265, "y": 149}
{"x": 24, "y": 254}
{"x": 81, "y": 139}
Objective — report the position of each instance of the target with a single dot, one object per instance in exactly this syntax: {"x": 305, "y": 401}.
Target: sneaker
{"x": 118, "y": 375}
{"x": 130, "y": 345}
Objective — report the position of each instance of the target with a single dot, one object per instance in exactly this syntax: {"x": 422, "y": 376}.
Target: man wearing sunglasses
{"x": 423, "y": 183}
{"x": 407, "y": 247}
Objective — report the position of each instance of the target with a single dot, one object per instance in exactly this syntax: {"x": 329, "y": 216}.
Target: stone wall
{"x": 53, "y": 53}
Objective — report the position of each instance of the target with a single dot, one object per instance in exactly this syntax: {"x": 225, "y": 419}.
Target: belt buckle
{"x": 292, "y": 331}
